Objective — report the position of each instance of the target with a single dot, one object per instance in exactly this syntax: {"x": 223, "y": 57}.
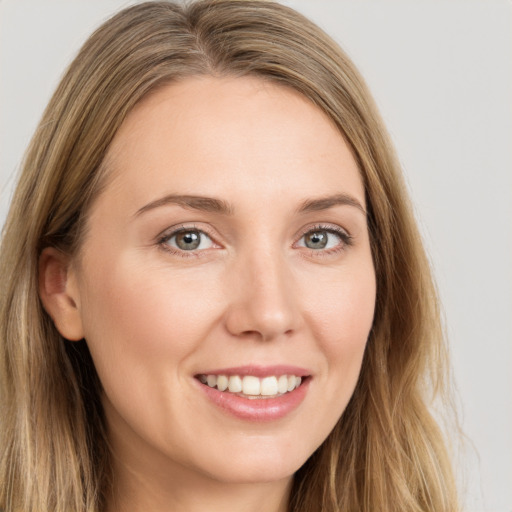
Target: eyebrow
{"x": 324, "y": 203}
{"x": 213, "y": 205}
{"x": 201, "y": 203}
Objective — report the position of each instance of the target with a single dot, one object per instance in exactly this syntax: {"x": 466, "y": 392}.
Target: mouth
{"x": 258, "y": 394}
{"x": 251, "y": 386}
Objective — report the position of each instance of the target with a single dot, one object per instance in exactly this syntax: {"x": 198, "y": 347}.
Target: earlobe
{"x": 59, "y": 293}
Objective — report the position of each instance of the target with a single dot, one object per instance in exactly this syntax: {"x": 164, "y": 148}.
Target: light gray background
{"x": 441, "y": 73}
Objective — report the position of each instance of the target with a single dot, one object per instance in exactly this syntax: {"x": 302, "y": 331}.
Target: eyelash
{"x": 345, "y": 240}
{"x": 164, "y": 239}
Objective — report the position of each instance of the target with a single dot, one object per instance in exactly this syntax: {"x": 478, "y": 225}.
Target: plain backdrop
{"x": 441, "y": 73}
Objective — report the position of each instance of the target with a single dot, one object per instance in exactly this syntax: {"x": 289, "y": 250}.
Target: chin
{"x": 257, "y": 468}
{"x": 253, "y": 475}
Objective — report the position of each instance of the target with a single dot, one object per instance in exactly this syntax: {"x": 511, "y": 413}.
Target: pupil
{"x": 188, "y": 240}
{"x": 316, "y": 240}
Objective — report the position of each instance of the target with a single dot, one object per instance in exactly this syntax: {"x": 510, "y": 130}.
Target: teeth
{"x": 282, "y": 384}
{"x": 235, "y": 384}
{"x": 222, "y": 383}
{"x": 253, "y": 386}
{"x": 269, "y": 386}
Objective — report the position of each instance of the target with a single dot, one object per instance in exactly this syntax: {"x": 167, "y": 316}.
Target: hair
{"x": 386, "y": 453}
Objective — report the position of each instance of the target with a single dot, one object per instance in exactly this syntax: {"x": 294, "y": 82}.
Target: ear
{"x": 59, "y": 293}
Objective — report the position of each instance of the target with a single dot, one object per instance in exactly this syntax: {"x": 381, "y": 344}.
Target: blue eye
{"x": 189, "y": 240}
{"x": 323, "y": 239}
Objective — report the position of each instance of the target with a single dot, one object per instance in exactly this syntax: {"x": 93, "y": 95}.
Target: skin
{"x": 154, "y": 315}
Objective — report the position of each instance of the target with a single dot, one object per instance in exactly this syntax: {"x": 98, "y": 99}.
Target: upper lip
{"x": 259, "y": 371}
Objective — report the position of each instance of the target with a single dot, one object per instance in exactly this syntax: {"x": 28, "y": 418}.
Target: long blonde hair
{"x": 386, "y": 453}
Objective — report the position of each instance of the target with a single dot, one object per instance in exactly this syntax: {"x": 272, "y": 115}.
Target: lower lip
{"x": 257, "y": 409}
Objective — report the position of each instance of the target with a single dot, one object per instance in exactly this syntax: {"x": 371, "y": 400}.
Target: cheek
{"x": 143, "y": 308}
{"x": 142, "y": 324}
{"x": 344, "y": 305}
{"x": 342, "y": 317}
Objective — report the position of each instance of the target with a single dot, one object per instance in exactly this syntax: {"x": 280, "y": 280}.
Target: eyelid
{"x": 172, "y": 231}
{"x": 344, "y": 235}
{"x": 168, "y": 233}
{"x": 334, "y": 228}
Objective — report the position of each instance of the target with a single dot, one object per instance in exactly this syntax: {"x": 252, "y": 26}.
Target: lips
{"x": 256, "y": 393}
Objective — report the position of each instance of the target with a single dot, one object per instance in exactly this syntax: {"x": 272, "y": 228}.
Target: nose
{"x": 264, "y": 304}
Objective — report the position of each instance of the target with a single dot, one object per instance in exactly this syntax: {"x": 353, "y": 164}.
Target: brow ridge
{"x": 214, "y": 205}
{"x": 192, "y": 202}
{"x": 324, "y": 203}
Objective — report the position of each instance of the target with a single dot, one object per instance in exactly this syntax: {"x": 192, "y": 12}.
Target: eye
{"x": 320, "y": 238}
{"x": 189, "y": 240}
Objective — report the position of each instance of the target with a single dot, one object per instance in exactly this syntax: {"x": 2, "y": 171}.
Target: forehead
{"x": 230, "y": 136}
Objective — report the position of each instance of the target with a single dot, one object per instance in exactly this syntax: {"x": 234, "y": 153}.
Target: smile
{"x": 251, "y": 386}
{"x": 256, "y": 393}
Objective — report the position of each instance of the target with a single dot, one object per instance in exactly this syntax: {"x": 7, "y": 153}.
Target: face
{"x": 225, "y": 287}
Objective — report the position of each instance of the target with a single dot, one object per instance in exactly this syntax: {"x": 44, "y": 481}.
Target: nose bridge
{"x": 264, "y": 302}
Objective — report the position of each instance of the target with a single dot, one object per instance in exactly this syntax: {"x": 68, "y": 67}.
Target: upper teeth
{"x": 251, "y": 385}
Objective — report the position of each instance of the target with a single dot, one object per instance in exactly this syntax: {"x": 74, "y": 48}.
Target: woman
{"x": 219, "y": 298}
